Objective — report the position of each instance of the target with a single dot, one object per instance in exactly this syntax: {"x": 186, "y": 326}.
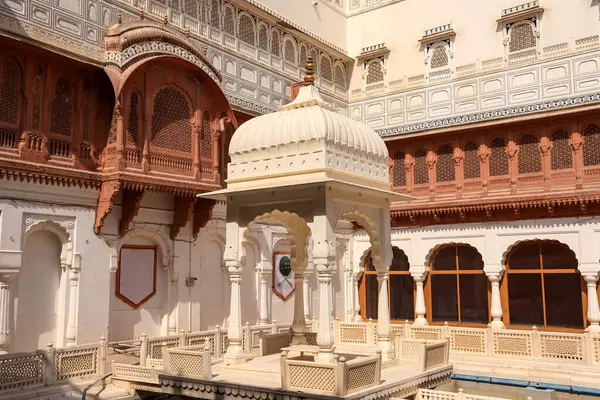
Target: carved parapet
{"x": 108, "y": 193}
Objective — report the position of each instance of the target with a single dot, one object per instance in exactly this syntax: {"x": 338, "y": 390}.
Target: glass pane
{"x": 372, "y": 296}
{"x": 525, "y": 256}
{"x": 525, "y": 299}
{"x": 445, "y": 259}
{"x": 444, "y": 298}
{"x": 469, "y": 258}
{"x": 563, "y": 300}
{"x": 400, "y": 261}
{"x": 402, "y": 304}
{"x": 474, "y": 299}
{"x": 557, "y": 256}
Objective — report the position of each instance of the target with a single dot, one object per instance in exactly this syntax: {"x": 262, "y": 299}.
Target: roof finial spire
{"x": 309, "y": 78}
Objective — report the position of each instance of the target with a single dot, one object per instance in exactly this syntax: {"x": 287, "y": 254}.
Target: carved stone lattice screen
{"x": 136, "y": 275}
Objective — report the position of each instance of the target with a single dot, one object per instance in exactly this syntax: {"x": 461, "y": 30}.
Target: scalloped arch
{"x": 432, "y": 252}
{"x": 379, "y": 256}
{"x": 510, "y": 248}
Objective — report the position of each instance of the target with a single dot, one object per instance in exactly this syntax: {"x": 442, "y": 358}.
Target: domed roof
{"x": 306, "y": 141}
{"x": 305, "y": 119}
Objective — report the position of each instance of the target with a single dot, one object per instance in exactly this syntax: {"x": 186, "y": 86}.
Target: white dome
{"x": 307, "y": 118}
{"x": 307, "y": 141}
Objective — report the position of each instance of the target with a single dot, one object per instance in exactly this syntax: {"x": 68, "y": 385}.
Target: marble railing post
{"x": 299, "y": 323}
{"x": 420, "y": 308}
{"x": 496, "y": 308}
{"x": 593, "y": 312}
{"x": 264, "y": 297}
{"x": 325, "y": 338}
{"x": 234, "y": 354}
{"x": 383, "y": 318}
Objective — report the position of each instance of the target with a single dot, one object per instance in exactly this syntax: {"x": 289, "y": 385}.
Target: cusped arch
{"x": 382, "y": 256}
{"x": 61, "y": 232}
{"x": 509, "y": 249}
{"x": 157, "y": 236}
{"x": 297, "y": 228}
{"x": 434, "y": 250}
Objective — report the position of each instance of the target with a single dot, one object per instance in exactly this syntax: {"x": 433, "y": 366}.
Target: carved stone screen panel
{"x": 136, "y": 275}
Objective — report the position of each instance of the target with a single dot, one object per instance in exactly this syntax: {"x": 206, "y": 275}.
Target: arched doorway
{"x": 401, "y": 289}
{"x": 542, "y": 286}
{"x": 457, "y": 289}
{"x": 37, "y": 299}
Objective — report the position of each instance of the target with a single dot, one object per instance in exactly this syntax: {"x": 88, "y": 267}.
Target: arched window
{"x": 498, "y": 157}
{"x": 206, "y": 144}
{"x": 439, "y": 57}
{"x": 228, "y": 21}
{"x": 171, "y": 127}
{"x": 399, "y": 171}
{"x": 134, "y": 118}
{"x": 457, "y": 286}
{"x": 402, "y": 300}
{"x": 561, "y": 155}
{"x": 339, "y": 76}
{"x": 289, "y": 51}
{"x": 275, "y": 45}
{"x": 215, "y": 14}
{"x": 471, "y": 161}
{"x": 591, "y": 145}
{"x": 303, "y": 55}
{"x": 444, "y": 167}
{"x": 62, "y": 108}
{"x": 420, "y": 173}
{"x": 191, "y": 8}
{"x": 530, "y": 157}
{"x": 522, "y": 37}
{"x": 374, "y": 72}
{"x": 326, "y": 71}
{"x": 9, "y": 93}
{"x": 401, "y": 293}
{"x": 246, "y": 30}
{"x": 543, "y": 286}
{"x": 263, "y": 38}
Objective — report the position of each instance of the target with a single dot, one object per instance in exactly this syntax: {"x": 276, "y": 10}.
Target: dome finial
{"x": 309, "y": 78}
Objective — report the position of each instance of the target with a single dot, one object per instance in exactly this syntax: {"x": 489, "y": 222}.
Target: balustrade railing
{"x": 23, "y": 371}
{"x": 8, "y": 138}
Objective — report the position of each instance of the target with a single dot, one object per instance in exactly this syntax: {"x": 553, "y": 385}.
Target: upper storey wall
{"x": 400, "y": 25}
{"x": 328, "y": 23}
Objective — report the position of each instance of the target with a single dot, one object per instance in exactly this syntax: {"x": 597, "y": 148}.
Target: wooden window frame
{"x": 457, "y": 272}
{"x": 362, "y": 291}
{"x": 540, "y": 271}
{"x": 118, "y": 277}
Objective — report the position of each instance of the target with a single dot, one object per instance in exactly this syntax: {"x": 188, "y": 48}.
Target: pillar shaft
{"x": 305, "y": 293}
{"x": 383, "y": 318}
{"x": 71, "y": 337}
{"x": 264, "y": 298}
{"x": 325, "y": 337}
{"x": 420, "y": 308}
{"x": 496, "y": 308}
{"x": 299, "y": 324}
{"x": 235, "y": 350}
{"x": 593, "y": 313}
{"x": 4, "y": 317}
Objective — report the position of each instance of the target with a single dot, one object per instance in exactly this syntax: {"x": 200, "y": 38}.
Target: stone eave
{"x": 438, "y": 37}
{"x": 538, "y": 200}
{"x": 520, "y": 15}
{"x": 369, "y": 55}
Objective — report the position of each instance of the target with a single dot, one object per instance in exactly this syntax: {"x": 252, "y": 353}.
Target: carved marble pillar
{"x": 172, "y": 303}
{"x": 234, "y": 354}
{"x": 420, "y": 308}
{"x": 71, "y": 336}
{"x": 299, "y": 323}
{"x": 5, "y": 314}
{"x": 593, "y": 312}
{"x": 383, "y": 317}
{"x": 306, "y": 294}
{"x": 496, "y": 308}
{"x": 325, "y": 338}
{"x": 355, "y": 279}
{"x": 264, "y": 297}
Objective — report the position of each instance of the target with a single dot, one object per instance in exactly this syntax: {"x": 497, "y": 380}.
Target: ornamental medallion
{"x": 283, "y": 276}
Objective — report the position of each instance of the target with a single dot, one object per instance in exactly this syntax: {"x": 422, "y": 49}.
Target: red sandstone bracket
{"x": 108, "y": 193}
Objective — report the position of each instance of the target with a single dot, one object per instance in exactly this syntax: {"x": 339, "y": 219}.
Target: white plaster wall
{"x": 323, "y": 21}
{"x": 212, "y": 285}
{"x": 478, "y": 36}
